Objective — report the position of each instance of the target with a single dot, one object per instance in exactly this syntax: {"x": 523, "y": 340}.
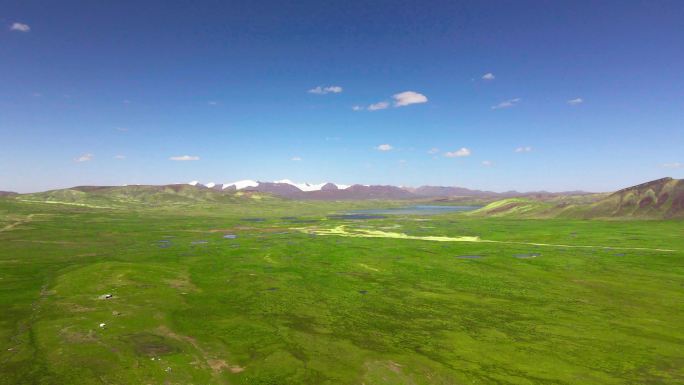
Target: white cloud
{"x": 524, "y": 149}
{"x": 433, "y": 150}
{"x": 372, "y": 107}
{"x": 120, "y": 157}
{"x": 378, "y": 106}
{"x": 487, "y": 163}
{"x": 84, "y": 158}
{"x": 461, "y": 152}
{"x": 325, "y": 90}
{"x": 122, "y": 129}
{"x": 184, "y": 157}
{"x": 212, "y": 103}
{"x": 384, "y": 147}
{"x": 20, "y": 27}
{"x": 408, "y": 97}
{"x": 400, "y": 100}
{"x": 296, "y": 158}
{"x": 506, "y": 104}
{"x": 575, "y": 101}
{"x": 488, "y": 76}
{"x": 673, "y": 165}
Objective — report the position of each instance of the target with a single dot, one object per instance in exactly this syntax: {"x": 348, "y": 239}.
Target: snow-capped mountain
{"x": 325, "y": 190}
{"x": 311, "y": 186}
{"x": 241, "y": 184}
{"x": 252, "y": 184}
{"x": 332, "y": 191}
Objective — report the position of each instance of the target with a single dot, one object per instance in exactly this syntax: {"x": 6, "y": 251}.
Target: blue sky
{"x": 582, "y": 94}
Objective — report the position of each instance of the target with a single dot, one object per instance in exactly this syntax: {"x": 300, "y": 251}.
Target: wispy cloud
{"x": 575, "y": 101}
{"x": 20, "y": 27}
{"x": 488, "y": 76}
{"x": 184, "y": 158}
{"x": 84, "y": 158}
{"x": 212, "y": 103}
{"x": 372, "y": 107}
{"x": 122, "y": 129}
{"x": 296, "y": 158}
{"x": 325, "y": 90}
{"x": 433, "y": 150}
{"x": 401, "y": 99}
{"x": 378, "y": 106}
{"x": 524, "y": 149}
{"x": 673, "y": 165}
{"x": 384, "y": 147}
{"x": 487, "y": 163}
{"x": 407, "y": 98}
{"x": 461, "y": 152}
{"x": 506, "y": 104}
{"x": 120, "y": 157}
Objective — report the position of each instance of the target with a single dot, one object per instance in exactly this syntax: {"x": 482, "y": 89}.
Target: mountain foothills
{"x": 658, "y": 199}
{"x": 662, "y": 198}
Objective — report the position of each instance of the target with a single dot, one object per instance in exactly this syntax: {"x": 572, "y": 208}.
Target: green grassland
{"x": 290, "y": 302}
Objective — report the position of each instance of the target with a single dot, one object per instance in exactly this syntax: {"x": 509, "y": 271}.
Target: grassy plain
{"x": 288, "y": 301}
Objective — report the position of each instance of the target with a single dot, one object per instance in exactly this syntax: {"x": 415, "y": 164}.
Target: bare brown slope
{"x": 661, "y": 198}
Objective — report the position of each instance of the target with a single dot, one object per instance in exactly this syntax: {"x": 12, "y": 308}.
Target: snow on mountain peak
{"x": 239, "y": 185}
{"x": 309, "y": 186}
{"x": 242, "y": 184}
{"x": 302, "y": 186}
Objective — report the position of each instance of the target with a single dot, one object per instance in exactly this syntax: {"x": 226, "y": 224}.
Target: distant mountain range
{"x": 657, "y": 199}
{"x": 333, "y": 191}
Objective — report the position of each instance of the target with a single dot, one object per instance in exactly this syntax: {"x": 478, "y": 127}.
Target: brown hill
{"x": 661, "y": 198}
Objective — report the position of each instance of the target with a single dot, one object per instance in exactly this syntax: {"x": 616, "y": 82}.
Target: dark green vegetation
{"x": 281, "y": 305}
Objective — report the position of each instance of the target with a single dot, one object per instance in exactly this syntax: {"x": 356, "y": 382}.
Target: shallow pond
{"x": 253, "y": 219}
